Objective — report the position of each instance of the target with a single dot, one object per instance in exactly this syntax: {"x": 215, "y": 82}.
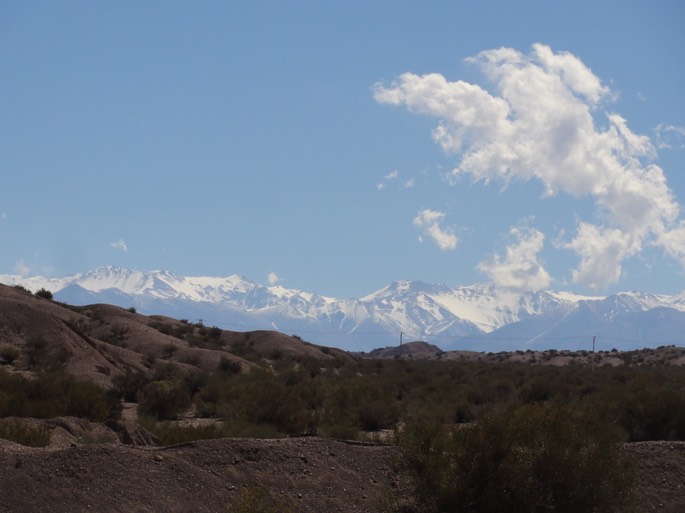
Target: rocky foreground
{"x": 298, "y": 474}
{"x": 305, "y": 474}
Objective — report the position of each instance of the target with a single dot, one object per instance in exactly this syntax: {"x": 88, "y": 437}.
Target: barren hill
{"x": 98, "y": 342}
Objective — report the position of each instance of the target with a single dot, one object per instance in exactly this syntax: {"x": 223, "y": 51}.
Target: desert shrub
{"x": 654, "y": 413}
{"x": 169, "y": 350}
{"x": 44, "y": 293}
{"x": 55, "y": 394}
{"x": 36, "y": 351}
{"x": 22, "y": 288}
{"x": 162, "y": 400}
{"x": 17, "y": 431}
{"x": 376, "y": 414}
{"x": 149, "y": 359}
{"x": 253, "y": 399}
{"x": 214, "y": 333}
{"x": 130, "y": 383}
{"x": 38, "y": 357}
{"x": 228, "y": 367}
{"x": 533, "y": 459}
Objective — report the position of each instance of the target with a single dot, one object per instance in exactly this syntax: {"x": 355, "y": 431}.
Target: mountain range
{"x": 477, "y": 317}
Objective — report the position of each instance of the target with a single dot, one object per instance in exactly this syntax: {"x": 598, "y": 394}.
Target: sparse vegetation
{"x": 18, "y": 431}
{"x": 44, "y": 294}
{"x": 532, "y": 458}
{"x": 54, "y": 394}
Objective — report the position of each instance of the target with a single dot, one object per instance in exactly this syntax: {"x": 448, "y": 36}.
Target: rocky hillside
{"x": 98, "y": 342}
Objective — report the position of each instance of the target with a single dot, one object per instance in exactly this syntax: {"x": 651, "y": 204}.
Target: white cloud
{"x": 539, "y": 124}
{"x": 670, "y": 136}
{"x": 519, "y": 269}
{"x": 429, "y": 221}
{"x": 273, "y": 278}
{"x": 22, "y": 269}
{"x": 410, "y": 183}
{"x": 3, "y": 216}
{"x": 391, "y": 176}
{"x": 602, "y": 251}
{"x": 119, "y": 244}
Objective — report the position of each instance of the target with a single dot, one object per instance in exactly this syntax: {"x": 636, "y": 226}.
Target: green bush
{"x": 533, "y": 459}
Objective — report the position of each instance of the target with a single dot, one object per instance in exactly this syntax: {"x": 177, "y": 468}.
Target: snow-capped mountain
{"x": 480, "y": 317}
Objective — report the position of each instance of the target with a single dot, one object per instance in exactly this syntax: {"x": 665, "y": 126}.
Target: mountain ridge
{"x": 478, "y": 316}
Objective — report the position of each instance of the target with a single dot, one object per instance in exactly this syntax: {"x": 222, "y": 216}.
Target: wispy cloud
{"x": 273, "y": 278}
{"x": 670, "y": 136}
{"x": 22, "y": 269}
{"x": 391, "y": 176}
{"x": 519, "y": 269}
{"x": 3, "y": 216}
{"x": 120, "y": 245}
{"x": 539, "y": 124}
{"x": 430, "y": 223}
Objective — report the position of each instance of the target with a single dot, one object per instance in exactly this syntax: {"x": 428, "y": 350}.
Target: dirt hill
{"x": 98, "y": 342}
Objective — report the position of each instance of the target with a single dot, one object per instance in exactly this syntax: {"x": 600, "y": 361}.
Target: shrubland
{"x": 476, "y": 436}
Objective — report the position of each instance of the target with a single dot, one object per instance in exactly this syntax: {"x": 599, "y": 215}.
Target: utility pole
{"x": 401, "y": 337}
{"x": 593, "y": 353}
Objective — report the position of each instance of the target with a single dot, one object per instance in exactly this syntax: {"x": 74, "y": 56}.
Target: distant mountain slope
{"x": 478, "y": 317}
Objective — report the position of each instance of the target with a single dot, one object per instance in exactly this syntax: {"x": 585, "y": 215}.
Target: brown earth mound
{"x": 98, "y": 342}
{"x": 305, "y": 474}
{"x": 296, "y": 474}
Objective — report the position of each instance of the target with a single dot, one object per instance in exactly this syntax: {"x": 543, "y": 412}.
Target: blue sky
{"x": 336, "y": 147}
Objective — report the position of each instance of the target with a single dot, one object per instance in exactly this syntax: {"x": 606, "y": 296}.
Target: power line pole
{"x": 593, "y": 353}
{"x": 401, "y": 337}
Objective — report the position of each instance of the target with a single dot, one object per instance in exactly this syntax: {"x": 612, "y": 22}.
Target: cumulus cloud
{"x": 273, "y": 278}
{"x": 430, "y": 223}
{"x": 539, "y": 123}
{"x": 120, "y": 245}
{"x": 519, "y": 269}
